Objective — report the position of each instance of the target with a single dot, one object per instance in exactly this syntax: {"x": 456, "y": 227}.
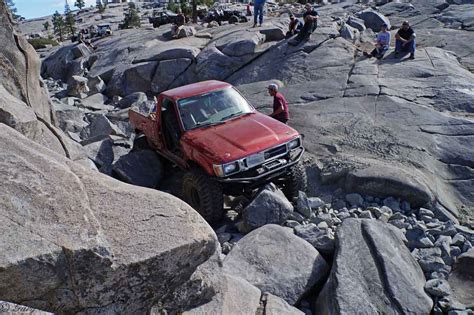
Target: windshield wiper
{"x": 207, "y": 124}
{"x": 234, "y": 115}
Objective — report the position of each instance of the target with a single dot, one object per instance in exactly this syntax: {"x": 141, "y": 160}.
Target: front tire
{"x": 203, "y": 194}
{"x": 296, "y": 181}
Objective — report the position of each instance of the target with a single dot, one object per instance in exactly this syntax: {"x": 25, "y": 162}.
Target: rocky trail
{"x": 387, "y": 223}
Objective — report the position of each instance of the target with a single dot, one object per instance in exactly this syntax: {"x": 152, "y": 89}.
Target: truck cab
{"x": 225, "y": 146}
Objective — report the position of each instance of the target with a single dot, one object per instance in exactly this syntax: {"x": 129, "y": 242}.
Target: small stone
{"x": 455, "y": 251}
{"x": 426, "y": 212}
{"x": 427, "y": 219}
{"x": 316, "y": 203}
{"x": 439, "y": 275}
{"x": 437, "y": 287}
{"x": 303, "y": 205}
{"x": 291, "y": 223}
{"x": 431, "y": 264}
{"x": 392, "y": 203}
{"x": 458, "y": 240}
{"x": 355, "y": 199}
{"x": 338, "y": 204}
{"x": 399, "y": 224}
{"x": 224, "y": 237}
{"x": 343, "y": 215}
{"x": 376, "y": 212}
{"x": 449, "y": 230}
{"x": 385, "y": 217}
{"x": 405, "y": 206}
{"x": 366, "y": 215}
{"x": 398, "y": 216}
{"x": 323, "y": 225}
{"x": 424, "y": 242}
{"x": 226, "y": 248}
{"x": 467, "y": 246}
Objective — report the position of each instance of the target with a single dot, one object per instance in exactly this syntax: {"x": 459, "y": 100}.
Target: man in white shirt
{"x": 381, "y": 45}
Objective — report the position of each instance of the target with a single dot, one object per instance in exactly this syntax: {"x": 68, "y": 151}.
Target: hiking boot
{"x": 366, "y": 54}
{"x": 412, "y": 56}
{"x": 396, "y": 54}
{"x": 254, "y": 25}
{"x": 260, "y": 25}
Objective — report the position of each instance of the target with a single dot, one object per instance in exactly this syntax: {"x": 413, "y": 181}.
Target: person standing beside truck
{"x": 258, "y": 12}
{"x": 280, "y": 105}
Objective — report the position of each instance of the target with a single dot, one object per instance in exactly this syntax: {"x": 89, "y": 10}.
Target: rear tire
{"x": 203, "y": 194}
{"x": 296, "y": 181}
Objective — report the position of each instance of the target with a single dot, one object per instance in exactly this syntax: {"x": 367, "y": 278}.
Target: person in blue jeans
{"x": 381, "y": 45}
{"x": 405, "y": 40}
{"x": 258, "y": 12}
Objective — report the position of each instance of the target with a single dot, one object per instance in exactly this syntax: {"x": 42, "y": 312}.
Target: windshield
{"x": 212, "y": 108}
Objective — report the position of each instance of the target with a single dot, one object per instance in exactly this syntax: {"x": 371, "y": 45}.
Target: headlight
{"x": 294, "y": 144}
{"x": 225, "y": 169}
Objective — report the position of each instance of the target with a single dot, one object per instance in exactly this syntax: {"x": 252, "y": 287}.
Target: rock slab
{"x": 275, "y": 260}
{"x": 373, "y": 272}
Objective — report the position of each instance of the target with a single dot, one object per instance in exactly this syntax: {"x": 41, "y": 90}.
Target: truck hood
{"x": 239, "y": 137}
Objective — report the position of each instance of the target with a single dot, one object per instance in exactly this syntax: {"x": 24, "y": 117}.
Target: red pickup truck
{"x": 225, "y": 146}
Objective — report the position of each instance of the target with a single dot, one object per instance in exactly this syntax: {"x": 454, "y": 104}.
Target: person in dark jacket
{"x": 405, "y": 40}
{"x": 280, "y": 105}
{"x": 294, "y": 27}
{"x": 310, "y": 18}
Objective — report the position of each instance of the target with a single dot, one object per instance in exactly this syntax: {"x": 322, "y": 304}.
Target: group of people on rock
{"x": 404, "y": 38}
{"x": 404, "y": 42}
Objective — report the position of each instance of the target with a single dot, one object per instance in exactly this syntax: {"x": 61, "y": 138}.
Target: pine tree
{"x": 11, "y": 6}
{"x": 70, "y": 23}
{"x": 80, "y": 4}
{"x": 58, "y": 25}
{"x": 132, "y": 18}
{"x": 67, "y": 8}
{"x": 46, "y": 26}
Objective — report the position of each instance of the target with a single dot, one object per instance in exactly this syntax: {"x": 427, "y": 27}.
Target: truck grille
{"x": 274, "y": 152}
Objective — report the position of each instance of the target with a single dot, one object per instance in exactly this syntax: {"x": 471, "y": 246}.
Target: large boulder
{"x": 141, "y": 168}
{"x": 24, "y": 101}
{"x": 240, "y": 43}
{"x": 373, "y": 19}
{"x": 186, "y": 31}
{"x": 461, "y": 279}
{"x": 167, "y": 72}
{"x": 269, "y": 206}
{"x": 231, "y": 294}
{"x": 77, "y": 240}
{"x": 373, "y": 272}
{"x": 274, "y": 260}
{"x": 65, "y": 62}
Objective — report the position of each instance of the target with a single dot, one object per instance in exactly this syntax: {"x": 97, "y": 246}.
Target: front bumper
{"x": 267, "y": 170}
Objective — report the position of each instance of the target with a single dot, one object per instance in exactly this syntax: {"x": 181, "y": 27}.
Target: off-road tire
{"x": 203, "y": 194}
{"x": 296, "y": 181}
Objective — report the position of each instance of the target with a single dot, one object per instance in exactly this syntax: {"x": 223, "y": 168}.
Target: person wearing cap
{"x": 405, "y": 40}
{"x": 310, "y": 17}
{"x": 258, "y": 12}
{"x": 280, "y": 105}
{"x": 294, "y": 27}
{"x": 381, "y": 45}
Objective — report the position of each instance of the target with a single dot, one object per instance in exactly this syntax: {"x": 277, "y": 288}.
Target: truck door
{"x": 171, "y": 131}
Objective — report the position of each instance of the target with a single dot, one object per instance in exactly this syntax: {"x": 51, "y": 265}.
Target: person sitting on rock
{"x": 405, "y": 40}
{"x": 295, "y": 26}
{"x": 310, "y": 18}
{"x": 258, "y": 12}
{"x": 249, "y": 11}
{"x": 280, "y": 105}
{"x": 179, "y": 22}
{"x": 381, "y": 45}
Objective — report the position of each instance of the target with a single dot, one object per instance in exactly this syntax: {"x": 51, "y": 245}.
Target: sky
{"x": 37, "y": 8}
